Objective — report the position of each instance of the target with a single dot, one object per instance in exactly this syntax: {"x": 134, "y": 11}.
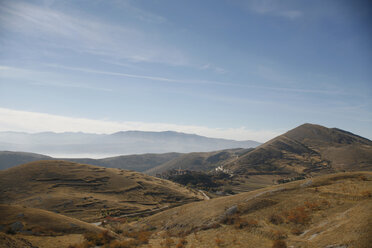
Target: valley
{"x": 310, "y": 187}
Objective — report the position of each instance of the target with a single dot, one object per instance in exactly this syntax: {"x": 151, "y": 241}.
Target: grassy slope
{"x": 42, "y": 222}
{"x": 82, "y": 191}
{"x": 305, "y": 151}
{"x": 338, "y": 213}
{"x": 309, "y": 149}
{"x": 199, "y": 161}
{"x": 41, "y": 228}
{"x": 136, "y": 162}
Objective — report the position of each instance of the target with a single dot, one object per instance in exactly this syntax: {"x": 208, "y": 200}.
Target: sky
{"x": 227, "y": 69}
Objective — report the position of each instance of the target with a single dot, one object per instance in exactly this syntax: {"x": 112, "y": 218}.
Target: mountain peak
{"x": 316, "y": 134}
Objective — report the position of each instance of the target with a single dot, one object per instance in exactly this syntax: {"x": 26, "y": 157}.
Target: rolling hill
{"x": 32, "y": 227}
{"x": 88, "y": 192}
{"x": 199, "y": 161}
{"x": 35, "y": 221}
{"x": 137, "y": 162}
{"x": 327, "y": 211}
{"x": 307, "y": 150}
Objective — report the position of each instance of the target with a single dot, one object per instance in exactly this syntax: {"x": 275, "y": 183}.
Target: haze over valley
{"x": 121, "y": 143}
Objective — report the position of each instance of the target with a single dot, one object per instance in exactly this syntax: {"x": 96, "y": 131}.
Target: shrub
{"x": 239, "y": 222}
{"x": 298, "y": 215}
{"x": 168, "y": 242}
{"x": 10, "y": 231}
{"x": 243, "y": 223}
{"x": 230, "y": 219}
{"x": 98, "y": 238}
{"x": 85, "y": 244}
{"x": 140, "y": 237}
{"x": 363, "y": 178}
{"x": 219, "y": 242}
{"x": 276, "y": 219}
{"x": 326, "y": 203}
{"x": 279, "y": 244}
{"x": 366, "y": 194}
{"x": 182, "y": 243}
{"x": 123, "y": 244}
{"x": 277, "y": 235}
{"x": 312, "y": 205}
{"x": 296, "y": 231}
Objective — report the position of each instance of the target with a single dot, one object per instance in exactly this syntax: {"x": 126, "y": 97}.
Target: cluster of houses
{"x": 224, "y": 170}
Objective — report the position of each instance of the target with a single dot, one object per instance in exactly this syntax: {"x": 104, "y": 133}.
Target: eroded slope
{"x": 88, "y": 192}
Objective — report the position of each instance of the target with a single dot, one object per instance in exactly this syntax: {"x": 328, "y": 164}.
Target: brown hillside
{"x": 308, "y": 149}
{"x": 329, "y": 211}
{"x": 88, "y": 192}
{"x": 31, "y": 227}
{"x": 199, "y": 161}
{"x": 34, "y": 221}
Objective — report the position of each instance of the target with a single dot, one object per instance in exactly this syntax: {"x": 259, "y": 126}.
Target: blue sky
{"x": 232, "y": 69}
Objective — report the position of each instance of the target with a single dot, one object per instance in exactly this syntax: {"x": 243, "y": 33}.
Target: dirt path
{"x": 205, "y": 195}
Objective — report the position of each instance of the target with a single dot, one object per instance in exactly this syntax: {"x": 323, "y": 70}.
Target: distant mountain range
{"x": 303, "y": 151}
{"x": 120, "y": 143}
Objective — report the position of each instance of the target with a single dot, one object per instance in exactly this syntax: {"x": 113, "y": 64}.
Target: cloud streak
{"x": 45, "y": 79}
{"x": 195, "y": 81}
{"x": 25, "y": 121}
{"x": 83, "y": 33}
{"x": 271, "y": 7}
{"x": 21, "y": 73}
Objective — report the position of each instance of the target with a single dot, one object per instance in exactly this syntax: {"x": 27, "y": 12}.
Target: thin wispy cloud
{"x": 140, "y": 14}
{"x": 216, "y": 69}
{"x": 84, "y": 33}
{"x": 44, "y": 79}
{"x": 273, "y": 8}
{"x": 196, "y": 81}
{"x": 21, "y": 73}
{"x": 110, "y": 73}
{"x": 25, "y": 121}
{"x": 70, "y": 85}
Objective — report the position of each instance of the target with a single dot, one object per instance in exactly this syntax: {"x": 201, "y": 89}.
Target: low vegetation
{"x": 316, "y": 212}
{"x": 310, "y": 213}
{"x": 198, "y": 180}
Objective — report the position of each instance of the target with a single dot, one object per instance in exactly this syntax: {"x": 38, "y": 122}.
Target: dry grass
{"x": 43, "y": 223}
{"x": 88, "y": 192}
{"x": 337, "y": 212}
{"x": 323, "y": 212}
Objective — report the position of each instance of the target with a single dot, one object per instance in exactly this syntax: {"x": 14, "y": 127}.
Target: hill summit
{"x": 308, "y": 149}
